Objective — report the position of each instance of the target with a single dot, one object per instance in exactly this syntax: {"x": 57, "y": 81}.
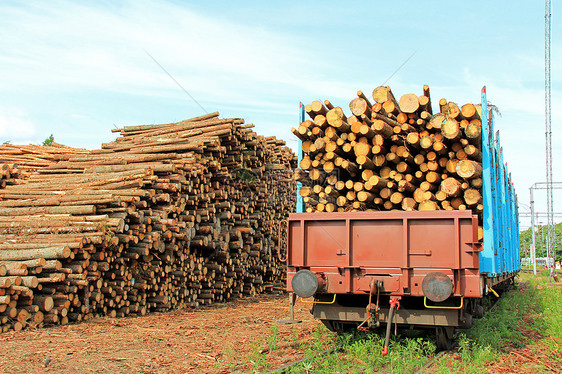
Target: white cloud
{"x": 68, "y": 45}
{"x": 15, "y": 126}
{"x": 78, "y": 116}
{"x": 240, "y": 69}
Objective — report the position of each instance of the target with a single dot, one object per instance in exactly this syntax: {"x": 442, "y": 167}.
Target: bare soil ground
{"x": 223, "y": 338}
{"x": 216, "y": 339}
{"x": 528, "y": 360}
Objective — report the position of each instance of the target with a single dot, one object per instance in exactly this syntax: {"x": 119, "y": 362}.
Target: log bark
{"x": 39, "y": 253}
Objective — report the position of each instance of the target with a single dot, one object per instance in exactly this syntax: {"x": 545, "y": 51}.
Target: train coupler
{"x": 394, "y": 306}
{"x": 372, "y": 310}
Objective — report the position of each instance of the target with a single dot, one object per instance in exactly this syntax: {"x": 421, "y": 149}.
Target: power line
{"x": 178, "y": 83}
{"x": 399, "y": 67}
{"x": 529, "y": 214}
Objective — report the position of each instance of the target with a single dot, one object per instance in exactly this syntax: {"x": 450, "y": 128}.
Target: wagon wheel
{"x": 444, "y": 337}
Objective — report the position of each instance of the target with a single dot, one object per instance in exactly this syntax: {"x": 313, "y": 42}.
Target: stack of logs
{"x": 8, "y": 173}
{"x": 391, "y": 154}
{"x": 19, "y": 161}
{"x": 166, "y": 216}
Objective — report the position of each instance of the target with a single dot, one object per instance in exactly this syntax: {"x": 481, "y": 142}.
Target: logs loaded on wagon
{"x": 166, "y": 216}
{"x": 391, "y": 154}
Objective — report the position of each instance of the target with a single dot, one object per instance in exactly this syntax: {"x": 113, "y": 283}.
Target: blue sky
{"x": 79, "y": 69}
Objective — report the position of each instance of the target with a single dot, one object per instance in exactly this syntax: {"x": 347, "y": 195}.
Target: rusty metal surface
{"x": 304, "y": 283}
{"x": 420, "y": 317}
{"x": 437, "y": 286}
{"x": 396, "y": 248}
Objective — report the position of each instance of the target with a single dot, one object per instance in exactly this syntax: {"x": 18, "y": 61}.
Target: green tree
{"x": 49, "y": 141}
{"x": 525, "y": 240}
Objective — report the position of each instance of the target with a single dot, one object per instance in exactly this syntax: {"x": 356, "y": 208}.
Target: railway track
{"x": 432, "y": 362}
{"x": 529, "y": 271}
{"x": 423, "y": 369}
{"x": 284, "y": 368}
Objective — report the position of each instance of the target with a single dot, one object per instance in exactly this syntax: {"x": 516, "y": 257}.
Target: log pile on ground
{"x": 391, "y": 154}
{"x": 17, "y": 162}
{"x": 166, "y": 216}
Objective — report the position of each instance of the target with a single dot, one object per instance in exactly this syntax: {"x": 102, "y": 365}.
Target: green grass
{"x": 272, "y": 340}
{"x": 528, "y": 316}
{"x": 496, "y": 330}
{"x": 258, "y": 358}
{"x": 550, "y": 299}
{"x": 358, "y": 352}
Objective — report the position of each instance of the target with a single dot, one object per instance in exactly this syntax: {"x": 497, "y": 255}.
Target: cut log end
{"x": 409, "y": 103}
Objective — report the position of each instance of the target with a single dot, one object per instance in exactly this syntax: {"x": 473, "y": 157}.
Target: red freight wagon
{"x": 427, "y": 269}
{"x": 359, "y": 264}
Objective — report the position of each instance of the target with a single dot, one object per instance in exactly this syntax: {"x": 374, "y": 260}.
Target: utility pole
{"x": 535, "y": 215}
{"x": 550, "y": 251}
{"x": 534, "y": 243}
